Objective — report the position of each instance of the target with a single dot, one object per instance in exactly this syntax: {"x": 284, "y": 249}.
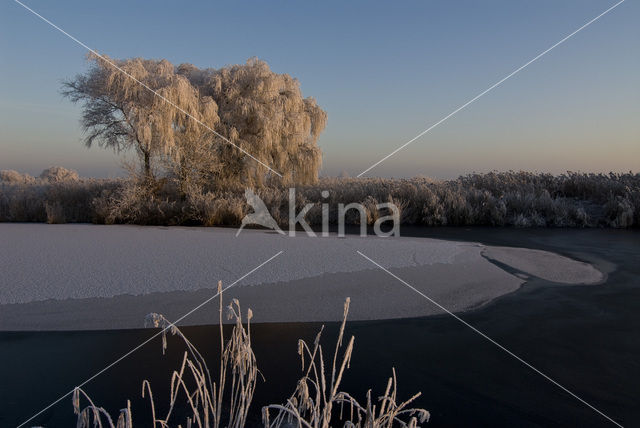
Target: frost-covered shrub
{"x": 209, "y": 209}
{"x": 138, "y": 202}
{"x": 457, "y": 210}
{"x": 22, "y": 202}
{"x": 41, "y": 201}
{"x": 579, "y": 217}
{"x": 55, "y": 213}
{"x": 620, "y": 212}
{"x": 487, "y": 209}
{"x": 11, "y": 176}
{"x": 432, "y": 211}
{"x": 634, "y": 199}
{"x": 57, "y": 174}
{"x": 496, "y": 199}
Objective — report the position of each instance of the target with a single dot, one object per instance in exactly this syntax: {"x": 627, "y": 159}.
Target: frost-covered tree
{"x": 12, "y": 176}
{"x": 264, "y": 113}
{"x": 57, "y": 174}
{"x": 120, "y": 113}
{"x": 255, "y": 108}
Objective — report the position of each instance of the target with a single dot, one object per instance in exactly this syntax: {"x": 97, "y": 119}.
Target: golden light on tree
{"x": 258, "y": 110}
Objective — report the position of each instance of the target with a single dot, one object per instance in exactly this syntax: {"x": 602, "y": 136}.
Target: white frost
{"x": 39, "y": 262}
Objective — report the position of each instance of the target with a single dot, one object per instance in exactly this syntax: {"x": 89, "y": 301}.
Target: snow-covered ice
{"x": 39, "y": 262}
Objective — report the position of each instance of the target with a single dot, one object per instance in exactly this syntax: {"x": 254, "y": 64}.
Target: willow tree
{"x": 264, "y": 113}
{"x": 125, "y": 107}
{"x": 186, "y": 117}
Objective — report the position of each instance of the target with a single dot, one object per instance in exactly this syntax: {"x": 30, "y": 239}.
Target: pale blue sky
{"x": 384, "y": 72}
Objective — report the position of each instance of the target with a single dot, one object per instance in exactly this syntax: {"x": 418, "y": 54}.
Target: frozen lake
{"x": 585, "y": 337}
{"x": 81, "y": 276}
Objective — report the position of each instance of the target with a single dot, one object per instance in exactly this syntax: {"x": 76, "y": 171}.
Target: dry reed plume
{"x": 225, "y": 401}
{"x": 313, "y": 403}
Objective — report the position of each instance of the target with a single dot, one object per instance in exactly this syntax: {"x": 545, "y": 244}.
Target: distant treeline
{"x": 520, "y": 199}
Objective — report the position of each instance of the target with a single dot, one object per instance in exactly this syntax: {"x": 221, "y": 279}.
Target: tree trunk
{"x": 147, "y": 166}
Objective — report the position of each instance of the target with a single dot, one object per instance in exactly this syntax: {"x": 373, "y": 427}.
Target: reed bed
{"x": 520, "y": 199}
{"x": 224, "y": 400}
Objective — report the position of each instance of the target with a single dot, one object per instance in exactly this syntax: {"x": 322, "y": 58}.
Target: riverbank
{"x": 521, "y": 199}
